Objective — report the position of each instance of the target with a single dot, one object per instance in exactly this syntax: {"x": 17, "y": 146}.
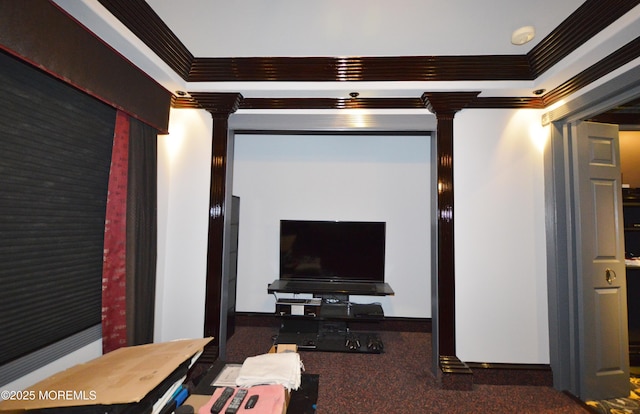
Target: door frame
{"x": 561, "y": 224}
{"x": 340, "y": 122}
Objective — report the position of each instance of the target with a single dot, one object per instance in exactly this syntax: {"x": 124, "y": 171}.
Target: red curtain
{"x": 114, "y": 299}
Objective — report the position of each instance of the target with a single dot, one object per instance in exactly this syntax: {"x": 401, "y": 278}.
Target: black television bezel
{"x": 378, "y": 278}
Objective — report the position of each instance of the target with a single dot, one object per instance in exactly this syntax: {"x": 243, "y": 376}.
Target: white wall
{"x": 501, "y": 313}
{"x": 184, "y": 159}
{"x": 501, "y": 282}
{"x": 357, "y": 178}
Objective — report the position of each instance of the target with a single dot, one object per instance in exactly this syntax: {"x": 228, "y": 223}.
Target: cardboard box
{"x": 283, "y": 348}
{"x": 124, "y": 376}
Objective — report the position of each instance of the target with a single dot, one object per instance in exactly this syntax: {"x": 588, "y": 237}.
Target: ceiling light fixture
{"x": 539, "y": 91}
{"x": 523, "y": 35}
{"x": 354, "y": 95}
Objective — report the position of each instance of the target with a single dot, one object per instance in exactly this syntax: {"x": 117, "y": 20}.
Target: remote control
{"x": 222, "y": 400}
{"x": 237, "y": 400}
{"x": 251, "y": 402}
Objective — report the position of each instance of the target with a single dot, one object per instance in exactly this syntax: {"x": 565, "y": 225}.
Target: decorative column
{"x": 444, "y": 105}
{"x": 220, "y": 105}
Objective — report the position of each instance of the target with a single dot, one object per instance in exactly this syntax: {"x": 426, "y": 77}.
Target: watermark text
{"x": 49, "y": 395}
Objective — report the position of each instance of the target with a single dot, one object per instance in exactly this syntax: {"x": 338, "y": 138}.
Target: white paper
{"x": 227, "y": 377}
{"x": 297, "y": 309}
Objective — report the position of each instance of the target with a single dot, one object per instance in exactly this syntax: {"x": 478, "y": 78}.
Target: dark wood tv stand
{"x": 322, "y": 323}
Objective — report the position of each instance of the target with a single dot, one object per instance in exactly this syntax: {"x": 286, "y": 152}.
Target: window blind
{"x": 54, "y": 169}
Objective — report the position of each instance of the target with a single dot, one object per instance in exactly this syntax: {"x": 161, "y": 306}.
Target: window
{"x": 54, "y": 169}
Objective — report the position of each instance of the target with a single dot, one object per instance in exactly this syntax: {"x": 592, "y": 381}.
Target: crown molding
{"x": 355, "y": 69}
{"x": 588, "y": 20}
{"x": 145, "y": 23}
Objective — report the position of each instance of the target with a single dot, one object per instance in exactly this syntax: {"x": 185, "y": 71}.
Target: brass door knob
{"x": 610, "y": 275}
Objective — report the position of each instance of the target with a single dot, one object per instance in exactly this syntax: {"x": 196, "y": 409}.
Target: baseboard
{"x": 455, "y": 374}
{"x": 393, "y": 324}
{"x": 257, "y": 319}
{"x": 511, "y": 374}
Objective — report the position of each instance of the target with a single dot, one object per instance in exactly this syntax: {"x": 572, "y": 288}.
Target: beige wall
{"x": 630, "y": 157}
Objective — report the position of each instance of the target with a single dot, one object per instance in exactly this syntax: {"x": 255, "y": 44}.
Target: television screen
{"x": 332, "y": 250}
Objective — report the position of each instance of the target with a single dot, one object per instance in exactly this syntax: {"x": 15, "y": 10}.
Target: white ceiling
{"x": 357, "y": 27}
{"x": 251, "y": 28}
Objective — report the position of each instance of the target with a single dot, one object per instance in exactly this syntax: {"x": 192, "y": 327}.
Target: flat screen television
{"x": 332, "y": 251}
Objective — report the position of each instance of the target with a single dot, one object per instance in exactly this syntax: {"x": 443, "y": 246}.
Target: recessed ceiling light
{"x": 523, "y": 35}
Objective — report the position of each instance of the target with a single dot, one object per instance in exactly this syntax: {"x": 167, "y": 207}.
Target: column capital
{"x": 218, "y": 103}
{"x": 444, "y": 104}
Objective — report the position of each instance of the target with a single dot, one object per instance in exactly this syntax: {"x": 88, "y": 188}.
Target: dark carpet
{"x": 400, "y": 380}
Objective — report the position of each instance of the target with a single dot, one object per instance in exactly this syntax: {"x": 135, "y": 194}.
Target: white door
{"x": 601, "y": 283}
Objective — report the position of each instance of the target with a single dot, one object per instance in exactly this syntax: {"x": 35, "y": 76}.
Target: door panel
{"x": 607, "y": 336}
{"x": 601, "y": 287}
{"x": 604, "y": 197}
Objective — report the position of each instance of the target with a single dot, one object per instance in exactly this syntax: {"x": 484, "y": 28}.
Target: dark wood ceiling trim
{"x": 624, "y": 55}
{"x": 361, "y": 103}
{"x": 140, "y": 18}
{"x": 325, "y": 69}
{"x": 193, "y": 102}
{"x": 508, "y": 102}
{"x": 331, "y": 103}
{"x": 615, "y": 60}
{"x": 588, "y": 20}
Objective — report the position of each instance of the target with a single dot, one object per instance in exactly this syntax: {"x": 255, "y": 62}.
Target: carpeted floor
{"x": 400, "y": 380}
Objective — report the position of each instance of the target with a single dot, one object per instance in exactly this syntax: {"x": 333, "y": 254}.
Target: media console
{"x": 321, "y": 323}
